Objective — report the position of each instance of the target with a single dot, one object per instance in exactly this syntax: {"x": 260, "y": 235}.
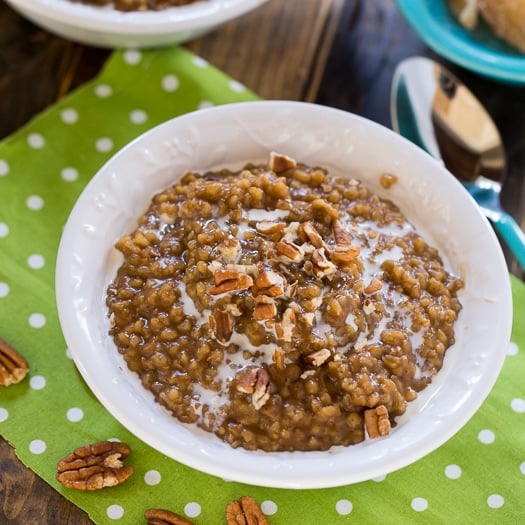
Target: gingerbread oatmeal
{"x": 281, "y": 307}
{"x": 138, "y": 5}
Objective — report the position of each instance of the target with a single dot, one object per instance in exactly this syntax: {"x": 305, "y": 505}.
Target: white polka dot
{"x": 132, "y": 57}
{"x": 170, "y": 83}
{"x": 75, "y": 414}
{"x": 69, "y": 174}
{"x": 37, "y": 320}
{"x": 4, "y": 414}
{"x": 36, "y": 261}
{"x": 199, "y": 62}
{"x": 419, "y": 504}
{"x": 206, "y": 104}
{"x": 68, "y": 353}
{"x": 103, "y": 91}
{"x": 37, "y": 382}
{"x": 269, "y": 507}
{"x": 495, "y": 501}
{"x": 518, "y": 405}
{"x": 192, "y": 509}
{"x": 453, "y": 471}
{"x": 4, "y": 167}
{"x": 4, "y": 229}
{"x": 343, "y": 507}
{"x": 152, "y": 477}
{"x": 4, "y": 289}
{"x": 35, "y": 202}
{"x": 512, "y": 349}
{"x": 36, "y": 140}
{"x": 69, "y": 115}
{"x": 138, "y": 116}
{"x": 104, "y": 145}
{"x": 522, "y": 468}
{"x": 236, "y": 86}
{"x": 115, "y": 512}
{"x": 378, "y": 479}
{"x": 37, "y": 446}
{"x": 486, "y": 437}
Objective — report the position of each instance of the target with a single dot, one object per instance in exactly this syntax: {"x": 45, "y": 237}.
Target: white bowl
{"x": 346, "y": 144}
{"x": 107, "y": 27}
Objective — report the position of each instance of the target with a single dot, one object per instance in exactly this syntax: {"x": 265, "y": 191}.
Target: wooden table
{"x": 335, "y": 52}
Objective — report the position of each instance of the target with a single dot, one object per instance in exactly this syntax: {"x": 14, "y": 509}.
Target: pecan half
{"x": 245, "y": 511}
{"x": 13, "y": 366}
{"x": 279, "y": 162}
{"x": 165, "y": 517}
{"x": 221, "y": 323}
{"x": 95, "y": 466}
{"x": 377, "y": 422}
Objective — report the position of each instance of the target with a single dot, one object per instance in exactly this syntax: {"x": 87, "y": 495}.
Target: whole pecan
{"x": 95, "y": 466}
{"x": 245, "y": 511}
{"x": 165, "y": 517}
{"x": 13, "y": 366}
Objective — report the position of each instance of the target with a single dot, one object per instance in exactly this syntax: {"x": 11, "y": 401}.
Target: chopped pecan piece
{"x": 245, "y": 511}
{"x": 312, "y": 235}
{"x": 374, "y": 286}
{"x": 288, "y": 251}
{"x": 322, "y": 267}
{"x": 342, "y": 255}
{"x": 255, "y": 381}
{"x": 368, "y": 306}
{"x": 230, "y": 281}
{"x": 279, "y": 162}
{"x": 230, "y": 249}
{"x": 319, "y": 357}
{"x": 341, "y": 236}
{"x": 165, "y": 517}
{"x": 270, "y": 227}
{"x": 278, "y": 358}
{"x": 221, "y": 323}
{"x": 265, "y": 308}
{"x": 13, "y": 366}
{"x": 287, "y": 327}
{"x": 377, "y": 421}
{"x": 270, "y": 282}
{"x": 95, "y": 466}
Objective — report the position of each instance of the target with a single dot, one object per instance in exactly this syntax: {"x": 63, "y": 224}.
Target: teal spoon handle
{"x": 513, "y": 235}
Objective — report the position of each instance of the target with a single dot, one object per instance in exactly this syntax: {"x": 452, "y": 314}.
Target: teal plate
{"x": 478, "y": 50}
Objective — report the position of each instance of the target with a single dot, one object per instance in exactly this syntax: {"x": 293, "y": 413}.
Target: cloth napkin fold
{"x": 478, "y": 476}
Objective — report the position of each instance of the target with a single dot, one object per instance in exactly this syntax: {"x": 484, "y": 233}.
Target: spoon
{"x": 433, "y": 109}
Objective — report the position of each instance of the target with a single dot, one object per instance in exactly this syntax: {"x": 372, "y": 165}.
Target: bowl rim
{"x": 461, "y": 49}
{"x": 199, "y": 15}
{"x": 282, "y": 469}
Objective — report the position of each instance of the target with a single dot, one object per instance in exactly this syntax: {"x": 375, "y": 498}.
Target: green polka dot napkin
{"x": 477, "y": 477}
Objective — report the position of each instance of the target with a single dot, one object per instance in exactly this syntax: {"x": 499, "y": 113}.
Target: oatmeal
{"x": 138, "y": 5}
{"x": 281, "y": 307}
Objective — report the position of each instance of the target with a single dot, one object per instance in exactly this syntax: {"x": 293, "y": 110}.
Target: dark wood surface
{"x": 335, "y": 52}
